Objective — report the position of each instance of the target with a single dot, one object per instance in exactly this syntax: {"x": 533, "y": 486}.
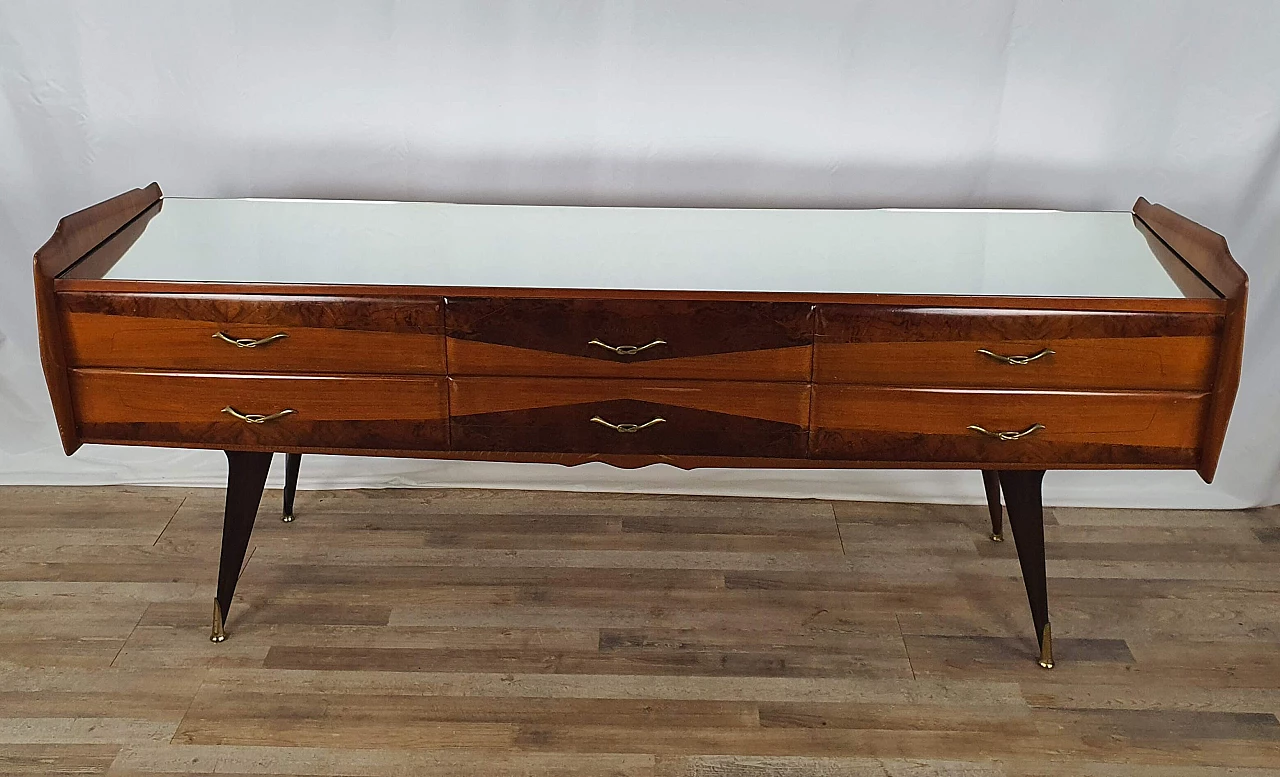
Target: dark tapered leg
{"x": 1026, "y": 518}
{"x": 246, "y": 475}
{"x": 991, "y": 480}
{"x": 292, "y": 461}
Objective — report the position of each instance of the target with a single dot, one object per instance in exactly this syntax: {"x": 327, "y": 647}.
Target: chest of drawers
{"x": 832, "y": 349}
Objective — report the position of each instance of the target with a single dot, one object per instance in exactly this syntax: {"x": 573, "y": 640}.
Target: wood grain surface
{"x": 75, "y": 236}
{"x": 682, "y": 418}
{"x": 1173, "y": 363}
{"x": 786, "y": 403}
{"x": 335, "y": 413}
{"x": 322, "y": 334}
{"x": 865, "y": 422}
{"x": 471, "y": 634}
{"x": 1177, "y": 345}
{"x": 670, "y": 430}
{"x": 686, "y": 338}
{"x": 1206, "y": 253}
{"x": 929, "y": 346}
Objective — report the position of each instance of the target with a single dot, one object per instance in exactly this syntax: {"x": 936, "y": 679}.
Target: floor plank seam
{"x": 127, "y": 637}
{"x": 169, "y": 522}
{"x": 906, "y": 649}
{"x": 190, "y": 705}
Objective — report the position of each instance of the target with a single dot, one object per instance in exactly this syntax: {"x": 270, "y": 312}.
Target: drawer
{"x": 320, "y": 334}
{"x": 390, "y": 413}
{"x": 859, "y": 423}
{"x": 905, "y": 346}
{"x": 570, "y": 415}
{"x": 601, "y": 338}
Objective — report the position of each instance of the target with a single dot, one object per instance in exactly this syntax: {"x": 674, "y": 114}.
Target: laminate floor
{"x": 513, "y": 633}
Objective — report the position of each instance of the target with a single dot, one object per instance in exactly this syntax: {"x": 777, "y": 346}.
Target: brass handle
{"x": 246, "y": 342}
{"x": 1040, "y": 354}
{"x": 254, "y": 418}
{"x": 1008, "y": 435}
{"x": 627, "y": 428}
{"x": 627, "y": 350}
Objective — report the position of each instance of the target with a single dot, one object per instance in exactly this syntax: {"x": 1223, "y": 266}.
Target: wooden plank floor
{"x": 515, "y": 633}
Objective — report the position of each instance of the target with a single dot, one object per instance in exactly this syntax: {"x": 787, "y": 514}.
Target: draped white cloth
{"x": 1039, "y": 103}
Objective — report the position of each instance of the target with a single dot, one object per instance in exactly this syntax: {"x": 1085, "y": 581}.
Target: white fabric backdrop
{"x": 1077, "y": 105}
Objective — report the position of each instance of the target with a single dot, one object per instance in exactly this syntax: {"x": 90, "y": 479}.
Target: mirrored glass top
{"x": 950, "y": 252}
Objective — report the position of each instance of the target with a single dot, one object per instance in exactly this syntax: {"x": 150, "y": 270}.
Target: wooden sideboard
{"x": 840, "y": 339}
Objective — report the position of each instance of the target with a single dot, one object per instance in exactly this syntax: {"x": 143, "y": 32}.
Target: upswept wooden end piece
{"x": 75, "y": 237}
{"x": 1206, "y": 252}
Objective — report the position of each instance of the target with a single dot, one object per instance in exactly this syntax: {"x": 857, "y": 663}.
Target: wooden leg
{"x": 246, "y": 476}
{"x": 1026, "y": 519}
{"x": 991, "y": 480}
{"x": 292, "y": 461}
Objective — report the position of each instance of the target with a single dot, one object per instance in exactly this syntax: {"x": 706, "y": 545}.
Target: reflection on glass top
{"x": 951, "y": 252}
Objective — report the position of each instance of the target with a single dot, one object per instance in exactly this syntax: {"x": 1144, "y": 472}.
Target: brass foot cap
{"x": 1045, "y": 664}
{"x": 287, "y": 518}
{"x": 218, "y": 634}
{"x": 997, "y": 538}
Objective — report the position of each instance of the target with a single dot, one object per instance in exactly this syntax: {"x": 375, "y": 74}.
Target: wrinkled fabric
{"x": 1083, "y": 105}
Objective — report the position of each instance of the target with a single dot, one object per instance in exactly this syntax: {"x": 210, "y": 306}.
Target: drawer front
{"x": 321, "y": 334}
{"x": 334, "y": 412}
{"x": 697, "y": 418}
{"x": 900, "y": 346}
{"x": 858, "y": 423}
{"x": 765, "y": 341}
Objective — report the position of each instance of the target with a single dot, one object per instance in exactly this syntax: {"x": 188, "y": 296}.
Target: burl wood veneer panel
{"x": 330, "y": 412}
{"x": 864, "y": 423}
{"x": 912, "y": 346}
{"x": 699, "y": 418}
{"x": 323, "y": 334}
{"x": 699, "y": 339}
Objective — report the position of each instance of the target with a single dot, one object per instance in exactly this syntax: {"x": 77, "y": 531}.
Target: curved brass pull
{"x": 246, "y": 342}
{"x": 1040, "y": 354}
{"x": 627, "y": 350}
{"x": 627, "y": 428}
{"x": 1008, "y": 435}
{"x": 254, "y": 418}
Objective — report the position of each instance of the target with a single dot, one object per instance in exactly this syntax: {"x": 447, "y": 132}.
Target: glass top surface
{"x": 946, "y": 252}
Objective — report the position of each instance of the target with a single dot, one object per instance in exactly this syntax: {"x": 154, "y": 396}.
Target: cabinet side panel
{"x": 1206, "y": 252}
{"x": 75, "y": 236}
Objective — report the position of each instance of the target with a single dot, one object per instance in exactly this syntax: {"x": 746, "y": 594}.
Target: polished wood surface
{"x": 75, "y": 236}
{"x": 663, "y": 431}
{"x": 929, "y": 346}
{"x": 660, "y": 338}
{"x": 672, "y": 418}
{"x": 1021, "y": 489}
{"x": 863, "y": 422}
{"x": 1174, "y": 363}
{"x": 246, "y": 477}
{"x": 99, "y": 260}
{"x": 874, "y": 340}
{"x": 1207, "y": 254}
{"x": 995, "y": 505}
{"x": 782, "y": 364}
{"x": 293, "y": 465}
{"x": 786, "y": 403}
{"x": 329, "y": 412}
{"x": 322, "y": 334}
{"x": 454, "y": 633}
